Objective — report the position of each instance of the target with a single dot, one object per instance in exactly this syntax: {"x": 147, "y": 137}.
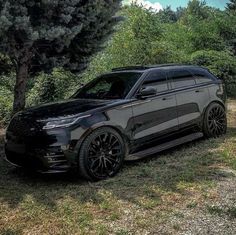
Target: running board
{"x": 162, "y": 147}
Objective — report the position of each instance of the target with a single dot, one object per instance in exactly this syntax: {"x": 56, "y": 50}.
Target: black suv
{"x": 127, "y": 114}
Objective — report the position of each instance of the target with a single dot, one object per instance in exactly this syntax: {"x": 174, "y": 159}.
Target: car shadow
{"x": 193, "y": 163}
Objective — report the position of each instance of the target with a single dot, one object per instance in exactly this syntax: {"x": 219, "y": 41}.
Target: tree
{"x": 38, "y": 35}
{"x": 135, "y": 42}
{"x": 231, "y": 6}
{"x": 195, "y": 11}
{"x": 180, "y": 12}
{"x": 167, "y": 15}
{"x": 221, "y": 63}
{"x": 197, "y": 8}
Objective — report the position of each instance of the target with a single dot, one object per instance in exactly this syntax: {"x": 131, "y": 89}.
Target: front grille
{"x": 56, "y": 159}
{"x": 21, "y": 126}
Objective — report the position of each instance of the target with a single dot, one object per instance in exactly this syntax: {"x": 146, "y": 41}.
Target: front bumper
{"x": 49, "y": 152}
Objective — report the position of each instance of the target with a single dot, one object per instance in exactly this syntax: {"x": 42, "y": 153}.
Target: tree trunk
{"x": 20, "y": 86}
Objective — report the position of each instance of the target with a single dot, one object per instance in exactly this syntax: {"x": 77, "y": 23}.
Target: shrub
{"x": 221, "y": 63}
{"x": 53, "y": 87}
{"x": 6, "y": 99}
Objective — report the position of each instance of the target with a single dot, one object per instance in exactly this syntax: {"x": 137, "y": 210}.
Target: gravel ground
{"x": 199, "y": 221}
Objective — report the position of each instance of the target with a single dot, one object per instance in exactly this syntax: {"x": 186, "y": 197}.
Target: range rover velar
{"x": 127, "y": 114}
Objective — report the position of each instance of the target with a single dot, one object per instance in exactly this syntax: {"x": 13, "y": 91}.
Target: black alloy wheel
{"x": 215, "y": 123}
{"x": 102, "y": 154}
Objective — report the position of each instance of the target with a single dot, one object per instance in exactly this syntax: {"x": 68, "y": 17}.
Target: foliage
{"x": 55, "y": 32}
{"x": 136, "y": 42}
{"x": 196, "y": 34}
{"x": 40, "y": 35}
{"x": 6, "y": 99}
{"x": 221, "y": 63}
{"x": 167, "y": 15}
{"x": 231, "y": 6}
{"x": 5, "y": 65}
{"x": 52, "y": 87}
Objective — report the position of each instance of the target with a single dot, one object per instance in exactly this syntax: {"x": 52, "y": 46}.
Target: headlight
{"x": 62, "y": 122}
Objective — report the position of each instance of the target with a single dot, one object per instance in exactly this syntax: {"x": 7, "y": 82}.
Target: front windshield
{"x": 109, "y": 86}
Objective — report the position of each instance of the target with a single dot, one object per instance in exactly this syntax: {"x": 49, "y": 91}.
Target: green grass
{"x": 216, "y": 210}
{"x": 145, "y": 195}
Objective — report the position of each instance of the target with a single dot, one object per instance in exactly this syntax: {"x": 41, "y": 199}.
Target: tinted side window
{"x": 202, "y": 76}
{"x": 181, "y": 78}
{"x": 157, "y": 80}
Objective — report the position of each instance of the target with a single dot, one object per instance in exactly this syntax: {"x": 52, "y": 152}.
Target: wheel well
{"x": 205, "y": 126}
{"x": 205, "y": 109}
{"x": 215, "y": 101}
{"x": 218, "y": 102}
{"x": 126, "y": 141}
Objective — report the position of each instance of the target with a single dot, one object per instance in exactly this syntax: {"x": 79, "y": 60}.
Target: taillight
{"x": 221, "y": 92}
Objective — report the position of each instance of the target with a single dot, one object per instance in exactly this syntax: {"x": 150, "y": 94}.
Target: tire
{"x": 215, "y": 121}
{"x": 101, "y": 155}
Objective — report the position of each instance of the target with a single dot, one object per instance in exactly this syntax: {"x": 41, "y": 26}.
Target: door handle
{"x": 167, "y": 98}
{"x": 198, "y": 91}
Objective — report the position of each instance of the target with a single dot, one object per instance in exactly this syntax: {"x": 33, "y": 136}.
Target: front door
{"x": 155, "y": 116}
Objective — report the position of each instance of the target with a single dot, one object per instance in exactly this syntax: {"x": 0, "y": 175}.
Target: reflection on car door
{"x": 155, "y": 116}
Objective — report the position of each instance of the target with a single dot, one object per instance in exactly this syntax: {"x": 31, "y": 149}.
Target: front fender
{"x": 121, "y": 124}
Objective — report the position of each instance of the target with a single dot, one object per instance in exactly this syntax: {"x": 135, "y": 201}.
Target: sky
{"x": 160, "y": 4}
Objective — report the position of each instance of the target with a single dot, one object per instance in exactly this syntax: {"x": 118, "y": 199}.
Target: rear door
{"x": 155, "y": 116}
{"x": 190, "y": 97}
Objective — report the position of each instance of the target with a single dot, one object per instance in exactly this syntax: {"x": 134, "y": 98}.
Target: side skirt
{"x": 164, "y": 146}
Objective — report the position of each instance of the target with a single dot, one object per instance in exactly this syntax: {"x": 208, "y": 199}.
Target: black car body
{"x": 127, "y": 114}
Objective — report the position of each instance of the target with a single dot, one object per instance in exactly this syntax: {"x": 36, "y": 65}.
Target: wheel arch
{"x": 118, "y": 129}
{"x": 222, "y": 104}
{"x": 212, "y": 102}
{"x": 205, "y": 109}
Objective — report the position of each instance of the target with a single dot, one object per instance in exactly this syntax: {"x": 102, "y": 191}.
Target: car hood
{"x": 65, "y": 108}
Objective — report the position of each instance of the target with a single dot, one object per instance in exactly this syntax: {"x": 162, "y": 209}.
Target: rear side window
{"x": 158, "y": 80}
{"x": 181, "y": 78}
{"x": 203, "y": 76}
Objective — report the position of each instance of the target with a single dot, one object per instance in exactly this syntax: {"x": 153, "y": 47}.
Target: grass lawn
{"x": 187, "y": 190}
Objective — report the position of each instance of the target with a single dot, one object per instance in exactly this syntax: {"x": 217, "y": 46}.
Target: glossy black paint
{"x": 141, "y": 121}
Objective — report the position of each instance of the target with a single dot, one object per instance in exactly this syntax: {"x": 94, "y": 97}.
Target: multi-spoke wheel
{"x": 102, "y": 154}
{"x": 215, "y": 121}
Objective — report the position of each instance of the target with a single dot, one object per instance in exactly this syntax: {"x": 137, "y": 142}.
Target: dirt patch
{"x": 231, "y": 106}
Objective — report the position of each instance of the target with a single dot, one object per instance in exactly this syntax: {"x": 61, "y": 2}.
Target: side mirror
{"x": 146, "y": 92}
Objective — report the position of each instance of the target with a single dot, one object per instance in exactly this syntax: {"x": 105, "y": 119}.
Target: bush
{"x": 221, "y": 63}
{"x": 53, "y": 87}
{"x": 6, "y": 99}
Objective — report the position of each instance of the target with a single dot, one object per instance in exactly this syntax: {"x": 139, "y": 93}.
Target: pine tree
{"x": 231, "y": 6}
{"x": 38, "y": 35}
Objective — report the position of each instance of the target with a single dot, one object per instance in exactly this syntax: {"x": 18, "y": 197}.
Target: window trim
{"x": 135, "y": 89}
{"x": 184, "y": 87}
{"x": 144, "y": 78}
{"x": 210, "y": 76}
